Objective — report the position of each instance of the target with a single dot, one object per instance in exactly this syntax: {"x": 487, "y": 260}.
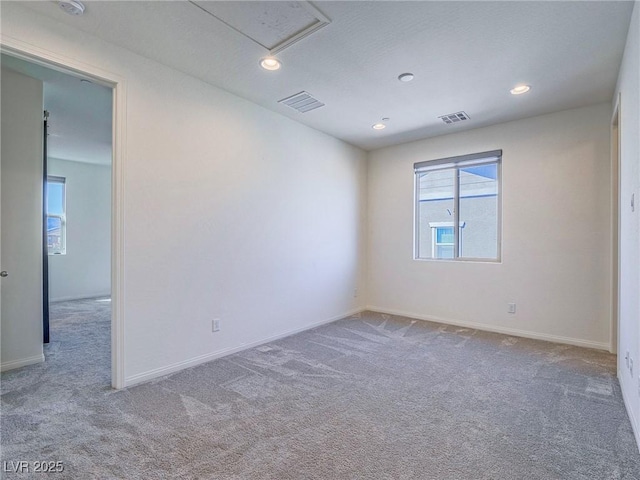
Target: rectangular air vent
{"x": 302, "y": 102}
{"x": 454, "y": 117}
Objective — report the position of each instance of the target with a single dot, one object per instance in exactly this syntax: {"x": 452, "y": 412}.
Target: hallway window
{"x": 56, "y": 215}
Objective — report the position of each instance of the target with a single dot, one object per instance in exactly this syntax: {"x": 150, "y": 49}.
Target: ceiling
{"x": 465, "y": 56}
{"x": 79, "y": 114}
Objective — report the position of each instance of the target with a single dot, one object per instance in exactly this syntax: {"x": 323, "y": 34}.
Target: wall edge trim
{"x": 627, "y": 405}
{"x": 22, "y": 362}
{"x": 490, "y": 328}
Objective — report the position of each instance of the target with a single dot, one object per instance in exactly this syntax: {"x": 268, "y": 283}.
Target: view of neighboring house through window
{"x": 443, "y": 239}
{"x": 56, "y": 218}
{"x": 464, "y": 192}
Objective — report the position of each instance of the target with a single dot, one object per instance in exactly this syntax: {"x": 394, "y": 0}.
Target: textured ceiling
{"x": 464, "y": 55}
{"x": 269, "y": 24}
{"x": 79, "y": 114}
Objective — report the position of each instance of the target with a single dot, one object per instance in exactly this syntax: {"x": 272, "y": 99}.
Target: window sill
{"x": 460, "y": 260}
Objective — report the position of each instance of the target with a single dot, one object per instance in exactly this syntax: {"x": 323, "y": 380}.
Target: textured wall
{"x": 231, "y": 211}
{"x": 555, "y": 231}
{"x": 629, "y": 325}
{"x": 85, "y": 270}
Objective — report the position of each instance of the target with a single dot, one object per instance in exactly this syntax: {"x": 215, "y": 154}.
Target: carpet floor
{"x": 371, "y": 396}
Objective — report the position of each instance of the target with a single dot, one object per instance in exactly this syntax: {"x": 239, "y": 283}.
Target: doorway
{"x": 615, "y": 227}
{"x": 90, "y": 77}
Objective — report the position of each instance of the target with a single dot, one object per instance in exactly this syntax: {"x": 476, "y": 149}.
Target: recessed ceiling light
{"x": 72, "y": 7}
{"x": 270, "y": 63}
{"x": 520, "y": 89}
{"x": 378, "y": 126}
{"x": 405, "y": 77}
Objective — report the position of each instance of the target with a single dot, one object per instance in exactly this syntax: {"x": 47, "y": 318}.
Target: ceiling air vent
{"x": 454, "y": 117}
{"x": 302, "y": 102}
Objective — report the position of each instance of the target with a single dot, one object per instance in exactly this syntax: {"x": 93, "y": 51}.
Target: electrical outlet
{"x": 215, "y": 325}
{"x": 511, "y": 308}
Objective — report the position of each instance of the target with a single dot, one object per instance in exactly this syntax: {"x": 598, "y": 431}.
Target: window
{"x": 462, "y": 191}
{"x": 443, "y": 239}
{"x": 56, "y": 217}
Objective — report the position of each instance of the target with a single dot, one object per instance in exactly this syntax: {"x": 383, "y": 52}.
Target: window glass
{"x": 479, "y": 211}
{"x": 435, "y": 204}
{"x": 444, "y": 242}
{"x": 56, "y": 215}
{"x": 458, "y": 207}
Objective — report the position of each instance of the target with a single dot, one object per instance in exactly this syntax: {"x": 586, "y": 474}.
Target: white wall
{"x": 629, "y": 323}
{"x": 231, "y": 211}
{"x": 85, "y": 270}
{"x": 555, "y": 232}
{"x": 21, "y": 229}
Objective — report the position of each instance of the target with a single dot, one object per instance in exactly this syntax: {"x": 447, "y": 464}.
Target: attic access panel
{"x": 272, "y": 25}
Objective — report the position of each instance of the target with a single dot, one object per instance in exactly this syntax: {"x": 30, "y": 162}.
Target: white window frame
{"x": 62, "y": 217}
{"x": 457, "y": 163}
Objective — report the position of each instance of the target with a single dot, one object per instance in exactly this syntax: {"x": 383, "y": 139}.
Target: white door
{"x": 21, "y": 220}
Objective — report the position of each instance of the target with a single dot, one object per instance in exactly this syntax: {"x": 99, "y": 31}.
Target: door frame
{"x": 117, "y": 83}
{"x": 615, "y": 226}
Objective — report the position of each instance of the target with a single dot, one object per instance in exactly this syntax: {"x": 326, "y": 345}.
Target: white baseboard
{"x": 492, "y": 328}
{"x": 79, "y": 297}
{"x": 627, "y": 404}
{"x": 21, "y": 363}
{"x": 192, "y": 362}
